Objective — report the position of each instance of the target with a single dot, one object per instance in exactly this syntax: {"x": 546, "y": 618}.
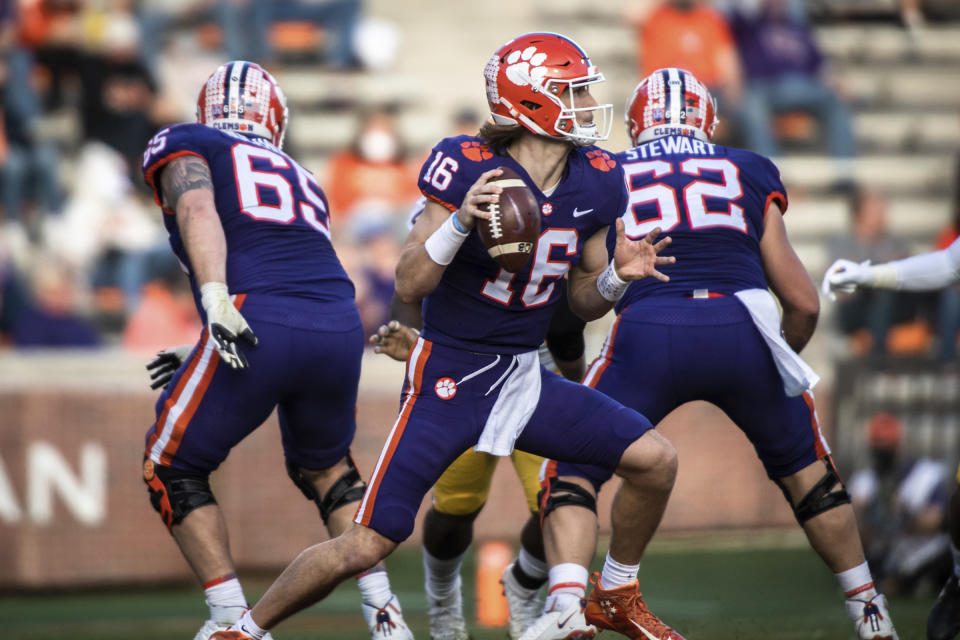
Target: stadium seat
{"x": 295, "y": 37}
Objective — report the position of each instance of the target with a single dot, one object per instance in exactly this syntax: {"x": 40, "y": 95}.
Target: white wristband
{"x": 212, "y": 292}
{"x": 609, "y": 284}
{"x": 443, "y": 244}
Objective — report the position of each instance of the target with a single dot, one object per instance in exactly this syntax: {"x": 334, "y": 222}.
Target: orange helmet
{"x": 531, "y": 82}
{"x": 241, "y": 96}
{"x": 668, "y": 102}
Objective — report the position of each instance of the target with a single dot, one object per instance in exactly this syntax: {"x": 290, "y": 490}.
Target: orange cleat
{"x": 622, "y": 610}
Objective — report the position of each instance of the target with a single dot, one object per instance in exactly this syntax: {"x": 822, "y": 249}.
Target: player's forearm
{"x": 203, "y": 237}
{"x": 417, "y": 274}
{"x": 924, "y": 272}
{"x": 798, "y": 326}
{"x": 585, "y": 299}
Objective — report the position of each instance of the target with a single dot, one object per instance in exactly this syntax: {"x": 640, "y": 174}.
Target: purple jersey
{"x": 711, "y": 200}
{"x": 479, "y": 306}
{"x": 274, "y": 214}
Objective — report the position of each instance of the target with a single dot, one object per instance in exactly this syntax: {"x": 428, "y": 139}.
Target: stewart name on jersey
{"x": 710, "y": 200}
{"x": 480, "y": 307}
{"x": 274, "y": 214}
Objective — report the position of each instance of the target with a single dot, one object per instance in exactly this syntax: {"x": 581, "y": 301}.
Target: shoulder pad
{"x": 452, "y": 167}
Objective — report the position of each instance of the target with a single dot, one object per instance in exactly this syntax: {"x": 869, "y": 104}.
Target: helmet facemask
{"x": 562, "y": 92}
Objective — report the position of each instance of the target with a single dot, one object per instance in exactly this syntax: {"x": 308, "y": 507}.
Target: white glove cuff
{"x": 213, "y": 292}
{"x": 609, "y": 284}
{"x": 882, "y": 276}
{"x": 443, "y": 244}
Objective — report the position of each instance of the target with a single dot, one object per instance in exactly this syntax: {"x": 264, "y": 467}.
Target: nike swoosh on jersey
{"x": 577, "y": 213}
{"x": 644, "y": 631}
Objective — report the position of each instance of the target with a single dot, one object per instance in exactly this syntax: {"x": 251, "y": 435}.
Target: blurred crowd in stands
{"x": 761, "y": 60}
{"x": 85, "y": 83}
{"x": 84, "y": 260}
{"x": 901, "y": 506}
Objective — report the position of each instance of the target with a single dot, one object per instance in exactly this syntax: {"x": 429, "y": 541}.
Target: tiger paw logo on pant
{"x": 446, "y": 388}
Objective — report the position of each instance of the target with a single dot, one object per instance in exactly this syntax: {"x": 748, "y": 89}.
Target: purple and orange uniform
{"x": 695, "y": 339}
{"x": 293, "y": 292}
{"x": 477, "y": 357}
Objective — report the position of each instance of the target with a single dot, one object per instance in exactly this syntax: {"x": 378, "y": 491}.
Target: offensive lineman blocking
{"x": 714, "y": 333}
{"x": 250, "y": 227}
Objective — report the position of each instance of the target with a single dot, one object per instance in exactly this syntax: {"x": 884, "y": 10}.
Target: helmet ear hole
{"x": 533, "y": 106}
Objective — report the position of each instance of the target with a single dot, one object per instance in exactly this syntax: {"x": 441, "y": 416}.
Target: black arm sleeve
{"x": 406, "y": 313}
{"x": 565, "y": 335}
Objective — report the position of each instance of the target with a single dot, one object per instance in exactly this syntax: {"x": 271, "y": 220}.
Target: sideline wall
{"x": 74, "y": 511}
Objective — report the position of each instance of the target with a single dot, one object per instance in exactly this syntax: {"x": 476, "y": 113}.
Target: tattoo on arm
{"x": 182, "y": 175}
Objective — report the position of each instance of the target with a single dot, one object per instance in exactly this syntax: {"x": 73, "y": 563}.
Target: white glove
{"x": 846, "y": 275}
{"x": 162, "y": 367}
{"x": 226, "y": 324}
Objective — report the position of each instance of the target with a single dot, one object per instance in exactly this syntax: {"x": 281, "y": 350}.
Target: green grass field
{"x": 780, "y": 593}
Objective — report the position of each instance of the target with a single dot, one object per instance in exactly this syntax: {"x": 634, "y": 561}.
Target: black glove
{"x": 166, "y": 364}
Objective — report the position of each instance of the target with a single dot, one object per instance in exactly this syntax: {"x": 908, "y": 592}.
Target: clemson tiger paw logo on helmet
{"x": 525, "y": 66}
{"x": 601, "y": 160}
{"x": 476, "y": 151}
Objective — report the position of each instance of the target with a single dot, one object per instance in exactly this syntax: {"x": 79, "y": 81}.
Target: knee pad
{"x": 821, "y": 497}
{"x": 447, "y": 536}
{"x": 344, "y": 491}
{"x": 175, "y": 493}
{"x": 559, "y": 493}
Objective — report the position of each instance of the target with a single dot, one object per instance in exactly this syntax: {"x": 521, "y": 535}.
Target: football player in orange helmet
{"x": 257, "y": 239}
{"x": 714, "y": 333}
{"x": 474, "y": 377}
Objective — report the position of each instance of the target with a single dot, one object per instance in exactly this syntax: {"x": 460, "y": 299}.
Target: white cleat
{"x": 388, "y": 622}
{"x": 524, "y": 604}
{"x": 568, "y": 624}
{"x": 871, "y": 618}
{"x": 210, "y": 627}
{"x": 446, "y": 616}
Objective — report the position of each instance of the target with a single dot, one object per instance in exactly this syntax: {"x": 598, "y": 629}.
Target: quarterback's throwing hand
{"x": 166, "y": 363}
{"x": 845, "y": 276}
{"x": 394, "y": 340}
{"x": 227, "y": 326}
{"x": 637, "y": 259}
{"x": 480, "y": 194}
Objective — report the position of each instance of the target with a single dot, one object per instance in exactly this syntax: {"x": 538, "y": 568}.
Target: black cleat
{"x": 944, "y": 620}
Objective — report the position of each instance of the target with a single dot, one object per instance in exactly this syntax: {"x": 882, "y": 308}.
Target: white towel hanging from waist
{"x": 515, "y": 404}
{"x": 796, "y": 374}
